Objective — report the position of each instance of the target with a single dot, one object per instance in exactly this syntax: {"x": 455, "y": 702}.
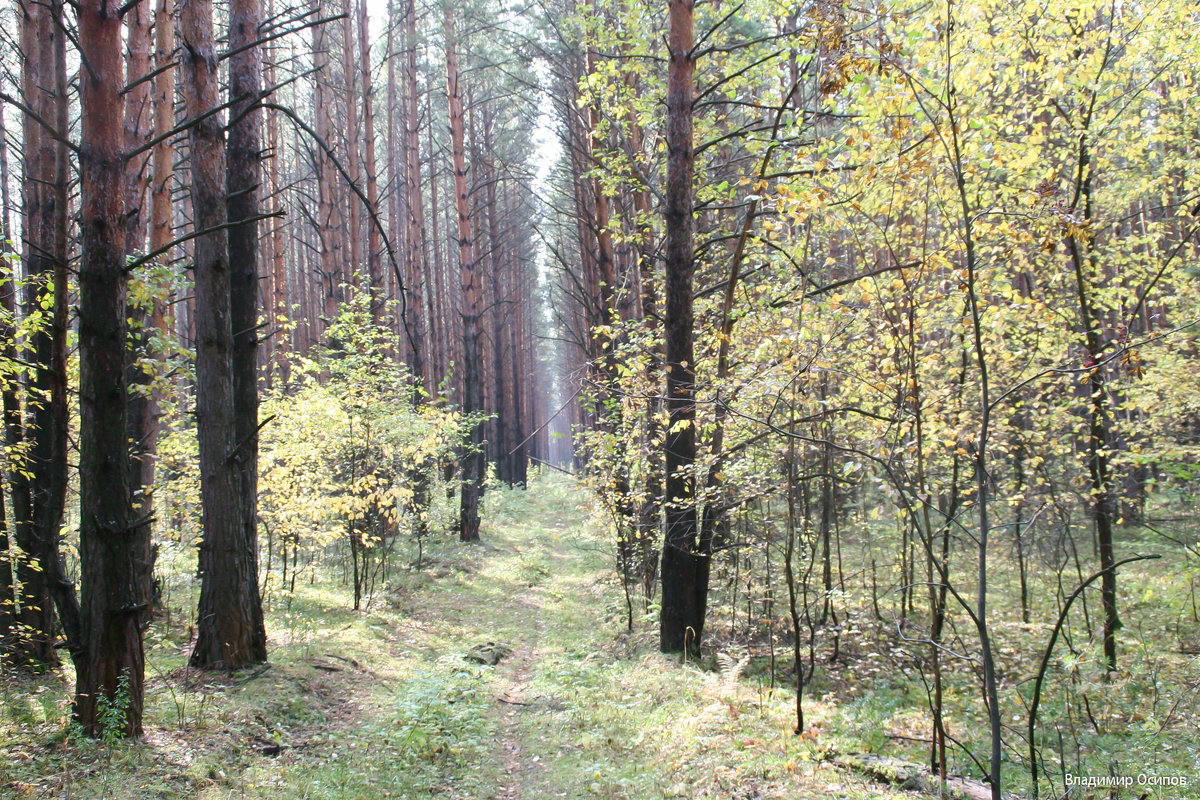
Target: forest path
{"x": 576, "y": 707}
{"x": 520, "y": 707}
{"x": 387, "y": 702}
{"x": 533, "y": 623}
{"x": 580, "y": 708}
{"x": 539, "y": 590}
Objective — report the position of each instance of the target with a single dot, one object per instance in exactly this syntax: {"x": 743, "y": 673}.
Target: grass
{"x": 1142, "y": 720}
{"x": 382, "y": 703}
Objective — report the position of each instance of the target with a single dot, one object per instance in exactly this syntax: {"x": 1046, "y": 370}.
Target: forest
{"x": 523, "y": 399}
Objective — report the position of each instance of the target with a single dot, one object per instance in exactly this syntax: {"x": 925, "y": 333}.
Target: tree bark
{"x": 280, "y": 312}
{"x": 328, "y": 217}
{"x": 473, "y": 464}
{"x": 141, "y": 406}
{"x": 138, "y": 123}
{"x": 229, "y": 618}
{"x": 243, "y": 178}
{"x": 47, "y": 174}
{"x": 14, "y": 434}
{"x": 163, "y": 153}
{"x": 353, "y": 159}
{"x": 513, "y": 379}
{"x": 438, "y": 322}
{"x": 374, "y": 262}
{"x": 685, "y": 566}
{"x": 396, "y": 165}
{"x": 418, "y": 268}
{"x": 110, "y": 664}
{"x": 1100, "y": 439}
{"x": 499, "y": 308}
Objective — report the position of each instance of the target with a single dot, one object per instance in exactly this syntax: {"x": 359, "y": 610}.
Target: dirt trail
{"x": 524, "y": 771}
{"x": 515, "y": 701}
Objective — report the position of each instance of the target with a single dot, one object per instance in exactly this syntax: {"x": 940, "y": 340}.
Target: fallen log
{"x": 909, "y": 776}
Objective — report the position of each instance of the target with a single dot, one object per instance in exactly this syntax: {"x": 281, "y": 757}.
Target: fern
{"x": 731, "y": 670}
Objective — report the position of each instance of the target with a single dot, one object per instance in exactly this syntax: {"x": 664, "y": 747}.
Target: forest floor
{"x": 389, "y": 701}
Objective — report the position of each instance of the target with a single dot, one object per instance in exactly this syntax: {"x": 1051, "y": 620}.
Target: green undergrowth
{"x": 382, "y": 702}
{"x": 1139, "y": 724}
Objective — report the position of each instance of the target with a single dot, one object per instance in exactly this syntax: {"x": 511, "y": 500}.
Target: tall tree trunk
{"x": 1100, "y": 442}
{"x": 229, "y": 618}
{"x": 605, "y": 267}
{"x": 441, "y": 330}
{"x": 40, "y": 572}
{"x": 115, "y": 599}
{"x": 18, "y": 481}
{"x": 685, "y": 565}
{"x": 500, "y": 309}
{"x": 328, "y": 217}
{"x": 353, "y": 159}
{"x": 141, "y": 406}
{"x": 138, "y": 123}
{"x": 374, "y": 263}
{"x": 34, "y": 607}
{"x": 163, "y": 155}
{"x": 394, "y": 143}
{"x": 473, "y": 464}
{"x": 243, "y": 178}
{"x": 513, "y": 378}
{"x": 280, "y": 310}
{"x": 418, "y": 274}
{"x": 482, "y": 254}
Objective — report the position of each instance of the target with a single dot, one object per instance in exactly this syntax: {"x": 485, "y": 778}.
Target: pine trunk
{"x": 10, "y": 639}
{"x": 141, "y": 410}
{"x": 374, "y": 263}
{"x": 684, "y": 564}
{"x": 353, "y": 159}
{"x": 280, "y": 311}
{"x": 418, "y": 268}
{"x": 44, "y": 202}
{"x": 110, "y": 666}
{"x": 229, "y": 618}
{"x": 328, "y": 218}
{"x": 473, "y": 464}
